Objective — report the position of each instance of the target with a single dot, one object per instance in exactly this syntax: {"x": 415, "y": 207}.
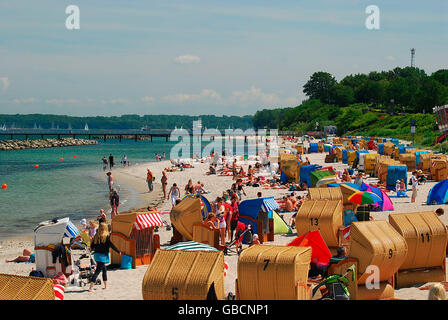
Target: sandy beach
{"x": 126, "y": 284}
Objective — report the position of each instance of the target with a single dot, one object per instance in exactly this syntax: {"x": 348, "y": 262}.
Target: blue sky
{"x": 201, "y": 57}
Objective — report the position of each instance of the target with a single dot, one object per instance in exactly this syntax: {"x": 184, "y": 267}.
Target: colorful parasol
{"x": 364, "y": 197}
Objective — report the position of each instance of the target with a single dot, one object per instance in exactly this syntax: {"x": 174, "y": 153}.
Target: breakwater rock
{"x": 43, "y": 143}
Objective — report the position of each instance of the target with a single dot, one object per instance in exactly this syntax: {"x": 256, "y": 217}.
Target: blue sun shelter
{"x": 259, "y": 213}
{"x": 438, "y": 193}
{"x": 395, "y": 173}
{"x": 314, "y": 148}
{"x": 305, "y": 173}
{"x": 381, "y": 148}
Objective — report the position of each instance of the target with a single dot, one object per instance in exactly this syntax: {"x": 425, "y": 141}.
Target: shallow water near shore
{"x": 74, "y": 187}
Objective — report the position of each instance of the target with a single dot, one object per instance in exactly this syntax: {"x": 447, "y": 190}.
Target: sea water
{"x": 74, "y": 187}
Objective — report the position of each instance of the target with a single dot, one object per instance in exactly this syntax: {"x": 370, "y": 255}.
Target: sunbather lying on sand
{"x": 28, "y": 256}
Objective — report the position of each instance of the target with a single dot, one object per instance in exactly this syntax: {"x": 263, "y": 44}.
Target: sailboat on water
{"x": 86, "y": 127}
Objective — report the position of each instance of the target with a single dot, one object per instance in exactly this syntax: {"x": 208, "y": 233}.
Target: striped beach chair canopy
{"x": 191, "y": 246}
{"x": 148, "y": 220}
{"x": 53, "y": 231}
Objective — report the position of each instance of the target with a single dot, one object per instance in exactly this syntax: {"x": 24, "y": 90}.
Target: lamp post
{"x": 413, "y": 127}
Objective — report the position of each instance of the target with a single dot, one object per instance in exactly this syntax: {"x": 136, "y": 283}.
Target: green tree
{"x": 441, "y": 76}
{"x": 432, "y": 93}
{"x": 342, "y": 95}
{"x": 319, "y": 86}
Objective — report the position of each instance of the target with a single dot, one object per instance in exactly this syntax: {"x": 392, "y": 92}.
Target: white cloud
{"x": 25, "y": 100}
{"x": 187, "y": 59}
{"x": 205, "y": 96}
{"x": 147, "y": 99}
{"x": 115, "y": 101}
{"x": 61, "y": 101}
{"x": 257, "y": 96}
{"x": 5, "y": 83}
{"x": 251, "y": 97}
{"x": 390, "y": 58}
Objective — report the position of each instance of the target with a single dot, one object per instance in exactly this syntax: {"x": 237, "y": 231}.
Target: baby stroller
{"x": 336, "y": 285}
{"x": 84, "y": 272}
{"x": 242, "y": 233}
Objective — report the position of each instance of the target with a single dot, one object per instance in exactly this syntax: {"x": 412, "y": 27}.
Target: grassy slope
{"x": 383, "y": 125}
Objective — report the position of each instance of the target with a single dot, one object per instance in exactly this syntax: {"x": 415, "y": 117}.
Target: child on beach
{"x": 92, "y": 229}
{"x": 174, "y": 194}
{"x": 211, "y": 221}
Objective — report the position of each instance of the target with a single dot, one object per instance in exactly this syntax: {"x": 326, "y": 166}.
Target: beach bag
{"x": 126, "y": 262}
{"x": 36, "y": 273}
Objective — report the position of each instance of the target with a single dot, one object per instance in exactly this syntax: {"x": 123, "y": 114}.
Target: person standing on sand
{"x": 105, "y": 163}
{"x": 101, "y": 245}
{"x": 111, "y": 161}
{"x": 220, "y": 210}
{"x": 414, "y": 182}
{"x": 189, "y": 188}
{"x": 114, "y": 202}
{"x": 149, "y": 180}
{"x": 164, "y": 181}
{"x": 110, "y": 180}
{"x": 228, "y": 213}
{"x": 234, "y": 169}
{"x": 174, "y": 193}
{"x": 164, "y": 156}
{"x": 235, "y": 215}
{"x": 124, "y": 160}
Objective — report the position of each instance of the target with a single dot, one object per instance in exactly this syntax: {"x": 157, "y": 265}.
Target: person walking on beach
{"x": 174, "y": 194}
{"x": 110, "y": 180}
{"x": 414, "y": 183}
{"x": 149, "y": 180}
{"x": 105, "y": 163}
{"x": 114, "y": 202}
{"x": 111, "y": 161}
{"x": 163, "y": 156}
{"x": 164, "y": 181}
{"x": 101, "y": 245}
{"x": 124, "y": 160}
